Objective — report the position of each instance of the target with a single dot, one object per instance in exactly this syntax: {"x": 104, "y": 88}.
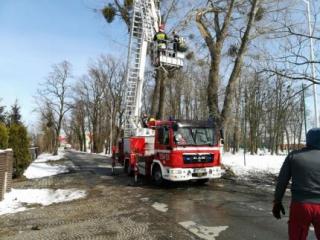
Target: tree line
{"x": 245, "y": 67}
{"x": 266, "y": 111}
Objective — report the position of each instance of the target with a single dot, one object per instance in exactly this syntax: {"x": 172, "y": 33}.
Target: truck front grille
{"x": 197, "y": 158}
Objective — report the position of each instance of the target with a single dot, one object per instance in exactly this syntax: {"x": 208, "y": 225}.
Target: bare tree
{"x": 75, "y": 127}
{"x": 54, "y": 94}
{"x": 114, "y": 95}
{"x": 222, "y": 17}
{"x": 98, "y": 103}
{"x": 93, "y": 90}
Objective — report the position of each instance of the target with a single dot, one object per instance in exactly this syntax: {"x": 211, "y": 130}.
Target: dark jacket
{"x": 303, "y": 166}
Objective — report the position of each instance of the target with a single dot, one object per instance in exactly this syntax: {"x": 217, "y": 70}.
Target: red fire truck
{"x": 164, "y": 150}
{"x": 173, "y": 151}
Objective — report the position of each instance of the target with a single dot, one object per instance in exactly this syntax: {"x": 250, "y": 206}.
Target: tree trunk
{"x": 213, "y": 86}
{"x": 225, "y": 114}
{"x": 56, "y": 143}
{"x": 155, "y": 96}
{"x": 160, "y": 113}
{"x": 84, "y": 140}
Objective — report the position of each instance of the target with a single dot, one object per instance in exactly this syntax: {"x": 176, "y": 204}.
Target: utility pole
{"x": 111, "y": 128}
{"x": 245, "y": 125}
{"x": 313, "y": 71}
{"x": 304, "y": 111}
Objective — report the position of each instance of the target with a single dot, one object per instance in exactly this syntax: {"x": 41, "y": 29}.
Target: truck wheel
{"x": 130, "y": 171}
{"x": 125, "y": 166}
{"x": 157, "y": 175}
{"x": 202, "y": 181}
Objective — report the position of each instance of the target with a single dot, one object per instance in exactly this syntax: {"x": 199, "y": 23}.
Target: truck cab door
{"x": 162, "y": 146}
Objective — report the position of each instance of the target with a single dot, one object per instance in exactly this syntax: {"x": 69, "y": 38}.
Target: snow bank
{"x": 39, "y": 170}
{"x": 255, "y": 164}
{"x": 18, "y": 199}
{"x": 45, "y": 157}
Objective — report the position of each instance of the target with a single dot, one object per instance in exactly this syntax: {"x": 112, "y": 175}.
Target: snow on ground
{"x": 160, "y": 207}
{"x": 39, "y": 168}
{"x": 203, "y": 232}
{"x": 254, "y": 164}
{"x": 18, "y": 199}
{"x": 45, "y": 157}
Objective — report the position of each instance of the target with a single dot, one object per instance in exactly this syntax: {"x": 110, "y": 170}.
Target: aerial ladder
{"x": 145, "y": 22}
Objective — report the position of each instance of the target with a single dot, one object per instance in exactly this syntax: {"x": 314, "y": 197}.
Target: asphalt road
{"x": 224, "y": 209}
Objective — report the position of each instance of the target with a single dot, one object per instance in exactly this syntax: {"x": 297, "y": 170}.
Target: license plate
{"x": 199, "y": 174}
{"x": 199, "y": 170}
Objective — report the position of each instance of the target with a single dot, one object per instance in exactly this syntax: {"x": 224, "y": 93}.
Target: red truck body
{"x": 161, "y": 152}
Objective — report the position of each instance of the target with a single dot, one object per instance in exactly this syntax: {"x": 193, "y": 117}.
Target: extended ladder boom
{"x": 144, "y": 24}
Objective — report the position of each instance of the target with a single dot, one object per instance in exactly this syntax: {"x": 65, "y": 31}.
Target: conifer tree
{"x": 3, "y": 136}
{"x": 18, "y": 141}
{"x": 2, "y": 114}
{"x": 15, "y": 115}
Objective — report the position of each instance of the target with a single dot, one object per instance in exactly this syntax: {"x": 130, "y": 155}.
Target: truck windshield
{"x": 195, "y": 136}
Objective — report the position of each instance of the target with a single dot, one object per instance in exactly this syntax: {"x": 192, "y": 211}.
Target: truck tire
{"x": 157, "y": 175}
{"x": 126, "y": 166}
{"x": 130, "y": 171}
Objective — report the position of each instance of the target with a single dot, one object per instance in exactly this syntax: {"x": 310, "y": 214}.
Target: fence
{"x": 6, "y": 161}
{"x": 34, "y": 153}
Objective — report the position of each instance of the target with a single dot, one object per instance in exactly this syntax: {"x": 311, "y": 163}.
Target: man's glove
{"x": 277, "y": 208}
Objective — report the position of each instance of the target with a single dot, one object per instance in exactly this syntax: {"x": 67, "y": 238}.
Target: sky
{"x": 36, "y": 34}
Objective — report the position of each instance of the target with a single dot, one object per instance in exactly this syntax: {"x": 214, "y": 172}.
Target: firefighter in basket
{"x": 179, "y": 44}
{"x": 161, "y": 39}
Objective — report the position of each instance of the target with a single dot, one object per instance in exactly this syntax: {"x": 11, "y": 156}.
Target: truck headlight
{"x": 174, "y": 171}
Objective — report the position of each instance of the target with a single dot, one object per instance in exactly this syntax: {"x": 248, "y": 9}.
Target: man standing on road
{"x": 303, "y": 166}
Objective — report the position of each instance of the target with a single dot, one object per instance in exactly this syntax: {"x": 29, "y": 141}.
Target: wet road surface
{"x": 114, "y": 209}
{"x": 222, "y": 209}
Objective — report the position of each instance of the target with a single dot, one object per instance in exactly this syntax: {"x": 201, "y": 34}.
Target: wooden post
{"x": 6, "y": 161}
{"x": 9, "y": 158}
{"x": 3, "y": 167}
